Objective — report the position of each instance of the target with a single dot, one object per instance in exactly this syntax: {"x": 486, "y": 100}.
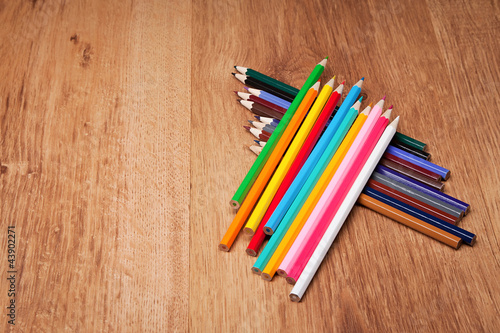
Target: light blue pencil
{"x": 313, "y": 158}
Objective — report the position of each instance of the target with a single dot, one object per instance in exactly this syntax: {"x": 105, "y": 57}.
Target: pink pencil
{"x": 334, "y": 201}
{"x": 294, "y": 251}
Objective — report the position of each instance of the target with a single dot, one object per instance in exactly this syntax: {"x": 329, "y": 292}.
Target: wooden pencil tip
{"x": 266, "y": 277}
{"x": 223, "y": 247}
{"x": 251, "y": 252}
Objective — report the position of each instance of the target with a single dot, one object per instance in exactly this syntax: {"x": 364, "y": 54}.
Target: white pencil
{"x": 256, "y": 149}
{"x": 344, "y": 210}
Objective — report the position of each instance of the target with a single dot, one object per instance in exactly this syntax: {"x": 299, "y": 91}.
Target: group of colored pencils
{"x": 315, "y": 161}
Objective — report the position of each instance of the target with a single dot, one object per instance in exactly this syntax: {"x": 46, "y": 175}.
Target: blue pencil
{"x": 313, "y": 158}
{"x": 443, "y": 172}
{"x": 269, "y": 97}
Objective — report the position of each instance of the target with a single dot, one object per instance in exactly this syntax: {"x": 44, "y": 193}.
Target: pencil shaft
{"x": 412, "y": 166}
{"x": 412, "y": 201}
{"x": 259, "y": 163}
{"x": 410, "y": 221}
{"x": 333, "y": 196}
{"x": 423, "y": 188}
{"x": 409, "y": 141}
{"x": 434, "y": 202}
{"x": 411, "y": 150}
{"x": 304, "y": 152}
{"x": 412, "y": 174}
{"x": 283, "y": 227}
{"x": 323, "y": 151}
{"x": 287, "y": 160}
{"x": 466, "y": 236}
{"x": 443, "y": 172}
{"x": 272, "y": 82}
{"x": 331, "y": 233}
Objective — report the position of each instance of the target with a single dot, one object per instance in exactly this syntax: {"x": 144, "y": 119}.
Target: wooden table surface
{"x": 122, "y": 144}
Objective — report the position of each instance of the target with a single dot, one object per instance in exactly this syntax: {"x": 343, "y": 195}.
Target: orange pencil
{"x": 267, "y": 171}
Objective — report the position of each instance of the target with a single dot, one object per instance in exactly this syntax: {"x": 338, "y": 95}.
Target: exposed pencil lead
{"x": 245, "y": 88}
{"x": 390, "y": 107}
{"x": 383, "y": 98}
{"x": 360, "y": 99}
{"x": 247, "y": 128}
{"x": 233, "y": 74}
{"x": 363, "y": 78}
{"x": 343, "y": 82}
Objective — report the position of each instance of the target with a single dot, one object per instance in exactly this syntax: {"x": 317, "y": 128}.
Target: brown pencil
{"x": 413, "y": 202}
{"x": 412, "y": 174}
{"x": 259, "y": 134}
{"x": 259, "y": 109}
{"x": 410, "y": 221}
{"x": 414, "y": 167}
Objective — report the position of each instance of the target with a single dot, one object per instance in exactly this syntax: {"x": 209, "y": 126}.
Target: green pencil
{"x": 261, "y": 160}
{"x": 268, "y": 80}
{"x": 409, "y": 141}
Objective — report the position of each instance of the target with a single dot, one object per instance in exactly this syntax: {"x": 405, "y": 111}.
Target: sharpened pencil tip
{"x": 326, "y": 57}
{"x": 390, "y": 107}
{"x": 360, "y": 99}
{"x": 257, "y": 117}
{"x": 363, "y": 78}
{"x": 246, "y": 88}
{"x": 233, "y": 74}
{"x": 247, "y": 128}
{"x": 343, "y": 82}
{"x": 383, "y": 98}
{"x": 256, "y": 141}
{"x": 371, "y": 104}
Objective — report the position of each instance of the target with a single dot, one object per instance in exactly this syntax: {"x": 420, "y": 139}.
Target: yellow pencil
{"x": 306, "y": 210}
{"x": 294, "y": 148}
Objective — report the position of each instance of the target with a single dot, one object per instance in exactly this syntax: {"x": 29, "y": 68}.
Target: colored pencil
{"x": 259, "y": 163}
{"x": 267, "y": 171}
{"x": 323, "y": 152}
{"x": 287, "y": 160}
{"x": 466, "y": 236}
{"x": 336, "y": 224}
{"x": 412, "y": 166}
{"x": 313, "y": 137}
{"x": 409, "y": 141}
{"x": 411, "y": 150}
{"x": 250, "y": 81}
{"x": 267, "y": 79}
{"x": 412, "y": 202}
{"x": 256, "y": 149}
{"x": 260, "y": 143}
{"x": 254, "y": 100}
{"x": 412, "y": 174}
{"x": 260, "y": 110}
{"x": 434, "y": 202}
{"x": 278, "y": 238}
{"x": 315, "y": 226}
{"x": 423, "y": 188}
{"x": 264, "y": 127}
{"x": 267, "y": 120}
{"x": 259, "y": 134}
{"x": 269, "y": 97}
{"x": 410, "y": 221}
{"x": 443, "y": 172}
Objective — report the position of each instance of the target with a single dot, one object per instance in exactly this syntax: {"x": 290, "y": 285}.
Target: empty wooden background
{"x": 121, "y": 145}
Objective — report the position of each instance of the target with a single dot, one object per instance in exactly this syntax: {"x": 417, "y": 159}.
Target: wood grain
{"x": 121, "y": 145}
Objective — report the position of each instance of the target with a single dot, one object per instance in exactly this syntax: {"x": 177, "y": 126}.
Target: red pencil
{"x": 259, "y": 236}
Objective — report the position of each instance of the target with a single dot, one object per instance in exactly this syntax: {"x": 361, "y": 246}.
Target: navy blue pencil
{"x": 468, "y": 237}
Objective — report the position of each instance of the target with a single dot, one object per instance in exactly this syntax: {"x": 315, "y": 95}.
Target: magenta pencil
{"x": 294, "y": 252}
